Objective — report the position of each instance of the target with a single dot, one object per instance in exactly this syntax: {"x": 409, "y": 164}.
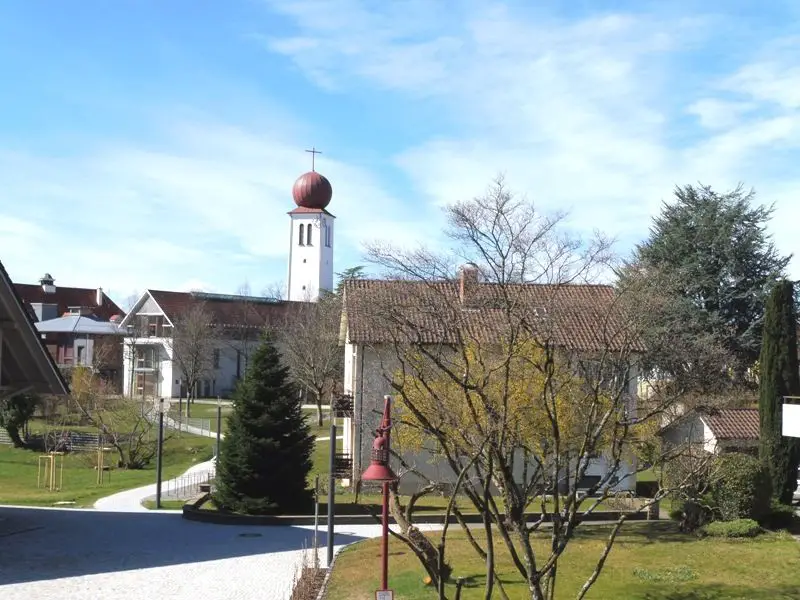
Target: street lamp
{"x": 161, "y": 406}
{"x": 379, "y": 470}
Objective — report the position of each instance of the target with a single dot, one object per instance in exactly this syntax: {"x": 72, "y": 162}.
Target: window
{"x": 302, "y": 227}
{"x": 166, "y": 330}
{"x": 145, "y": 358}
{"x": 215, "y": 358}
{"x": 308, "y": 235}
{"x": 81, "y": 355}
{"x": 327, "y": 231}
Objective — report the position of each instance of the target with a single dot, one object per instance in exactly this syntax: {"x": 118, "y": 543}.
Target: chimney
{"x": 99, "y": 300}
{"x": 469, "y": 278}
{"x": 48, "y": 284}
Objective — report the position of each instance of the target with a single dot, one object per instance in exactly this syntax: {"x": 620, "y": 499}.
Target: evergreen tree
{"x": 266, "y": 454}
{"x": 719, "y": 263}
{"x": 779, "y": 377}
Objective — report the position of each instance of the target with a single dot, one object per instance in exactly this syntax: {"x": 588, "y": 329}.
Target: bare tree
{"x": 193, "y": 344}
{"x": 122, "y": 424}
{"x": 311, "y": 349}
{"x": 513, "y": 388}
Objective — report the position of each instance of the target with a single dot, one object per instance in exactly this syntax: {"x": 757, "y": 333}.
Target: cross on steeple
{"x": 314, "y": 153}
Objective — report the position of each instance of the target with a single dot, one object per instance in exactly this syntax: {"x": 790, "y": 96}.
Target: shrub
{"x": 739, "y": 528}
{"x": 647, "y": 489}
{"x": 741, "y": 487}
{"x": 781, "y": 516}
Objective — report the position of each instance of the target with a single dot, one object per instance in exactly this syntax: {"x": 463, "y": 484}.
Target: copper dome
{"x": 312, "y": 190}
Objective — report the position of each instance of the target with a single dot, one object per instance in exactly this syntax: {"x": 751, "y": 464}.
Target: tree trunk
{"x": 319, "y": 411}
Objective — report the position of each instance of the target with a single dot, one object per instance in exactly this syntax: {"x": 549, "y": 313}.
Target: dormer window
{"x": 308, "y": 235}
{"x": 302, "y": 231}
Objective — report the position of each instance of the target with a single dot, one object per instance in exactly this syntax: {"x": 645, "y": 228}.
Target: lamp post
{"x": 161, "y": 406}
{"x": 219, "y": 432}
{"x": 379, "y": 470}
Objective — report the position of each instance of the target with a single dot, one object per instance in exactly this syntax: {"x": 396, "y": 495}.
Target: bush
{"x": 647, "y": 489}
{"x": 741, "y": 487}
{"x": 739, "y": 528}
{"x": 781, "y": 516}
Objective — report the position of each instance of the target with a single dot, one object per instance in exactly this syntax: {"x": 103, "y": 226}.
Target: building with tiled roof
{"x": 380, "y": 315}
{"x": 715, "y": 429}
{"x": 235, "y": 323}
{"x": 77, "y": 325}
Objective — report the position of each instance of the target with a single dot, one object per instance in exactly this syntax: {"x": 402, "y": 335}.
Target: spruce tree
{"x": 779, "y": 377}
{"x": 266, "y": 454}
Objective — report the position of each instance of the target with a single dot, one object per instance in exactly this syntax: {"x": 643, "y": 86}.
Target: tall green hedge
{"x": 779, "y": 377}
{"x": 741, "y": 487}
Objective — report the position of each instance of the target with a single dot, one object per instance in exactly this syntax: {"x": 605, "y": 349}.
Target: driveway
{"x": 88, "y": 554}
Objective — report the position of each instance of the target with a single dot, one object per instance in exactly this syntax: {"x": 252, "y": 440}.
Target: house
{"x": 77, "y": 340}
{"x": 379, "y": 314}
{"x": 25, "y": 364}
{"x": 78, "y": 325}
{"x": 230, "y": 331}
{"x": 716, "y": 430}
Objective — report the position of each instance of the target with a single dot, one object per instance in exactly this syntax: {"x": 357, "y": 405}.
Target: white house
{"x": 151, "y": 367}
{"x": 374, "y": 311}
{"x": 715, "y": 430}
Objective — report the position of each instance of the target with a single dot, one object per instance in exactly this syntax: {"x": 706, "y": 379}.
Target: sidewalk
{"x": 131, "y": 500}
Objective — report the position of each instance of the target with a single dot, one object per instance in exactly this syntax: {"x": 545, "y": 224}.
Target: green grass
{"x": 165, "y": 504}
{"x": 18, "y": 470}
{"x": 648, "y": 562}
{"x": 209, "y": 411}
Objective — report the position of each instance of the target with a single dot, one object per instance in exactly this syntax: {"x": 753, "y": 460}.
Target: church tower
{"x": 311, "y": 241}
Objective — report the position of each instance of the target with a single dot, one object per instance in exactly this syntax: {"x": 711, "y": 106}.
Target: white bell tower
{"x": 311, "y": 238}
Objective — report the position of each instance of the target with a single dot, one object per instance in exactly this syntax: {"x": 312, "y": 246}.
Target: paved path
{"x": 75, "y": 554}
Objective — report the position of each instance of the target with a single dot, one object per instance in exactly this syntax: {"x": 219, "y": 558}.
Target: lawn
{"x": 209, "y": 411}
{"x": 650, "y": 561}
{"x": 18, "y": 470}
{"x": 165, "y": 504}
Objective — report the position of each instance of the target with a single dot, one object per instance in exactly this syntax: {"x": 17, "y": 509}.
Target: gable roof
{"x": 25, "y": 360}
{"x": 580, "y": 317}
{"x": 65, "y": 297}
{"x": 733, "y": 423}
{"x": 227, "y": 310}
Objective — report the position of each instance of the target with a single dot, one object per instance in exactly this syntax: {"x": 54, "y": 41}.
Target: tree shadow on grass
{"x": 642, "y": 532}
{"x": 710, "y": 591}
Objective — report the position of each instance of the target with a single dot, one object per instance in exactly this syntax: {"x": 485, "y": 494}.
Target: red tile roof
{"x": 227, "y": 311}
{"x": 733, "y": 423}
{"x": 300, "y": 210}
{"x": 65, "y": 297}
{"x": 584, "y": 317}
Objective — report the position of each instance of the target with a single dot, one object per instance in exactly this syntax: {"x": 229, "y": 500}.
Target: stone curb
{"x": 193, "y": 512}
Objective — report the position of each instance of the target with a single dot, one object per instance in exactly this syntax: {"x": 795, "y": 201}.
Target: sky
{"x": 152, "y": 144}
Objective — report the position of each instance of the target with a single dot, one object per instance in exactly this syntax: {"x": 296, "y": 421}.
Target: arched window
{"x": 308, "y": 235}
{"x": 301, "y": 233}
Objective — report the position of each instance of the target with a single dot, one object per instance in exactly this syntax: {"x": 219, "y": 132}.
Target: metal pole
{"x": 331, "y": 489}
{"x": 158, "y": 450}
{"x": 385, "y": 538}
{"x": 316, "y": 519}
{"x": 219, "y": 432}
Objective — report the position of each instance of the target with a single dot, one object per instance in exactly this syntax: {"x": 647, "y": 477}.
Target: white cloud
{"x": 586, "y": 115}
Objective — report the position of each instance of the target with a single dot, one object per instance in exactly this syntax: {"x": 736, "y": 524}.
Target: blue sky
{"x": 154, "y": 144}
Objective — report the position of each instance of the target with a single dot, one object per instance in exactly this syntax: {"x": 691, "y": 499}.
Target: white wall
{"x": 368, "y": 386}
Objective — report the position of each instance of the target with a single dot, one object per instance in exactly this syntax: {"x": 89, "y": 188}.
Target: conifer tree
{"x": 779, "y": 377}
{"x": 266, "y": 454}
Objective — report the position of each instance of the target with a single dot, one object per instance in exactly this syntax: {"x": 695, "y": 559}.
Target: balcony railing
{"x": 343, "y": 405}
{"x": 342, "y": 466}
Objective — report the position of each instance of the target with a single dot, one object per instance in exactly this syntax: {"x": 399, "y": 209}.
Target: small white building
{"x": 715, "y": 430}
{"x": 375, "y": 310}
